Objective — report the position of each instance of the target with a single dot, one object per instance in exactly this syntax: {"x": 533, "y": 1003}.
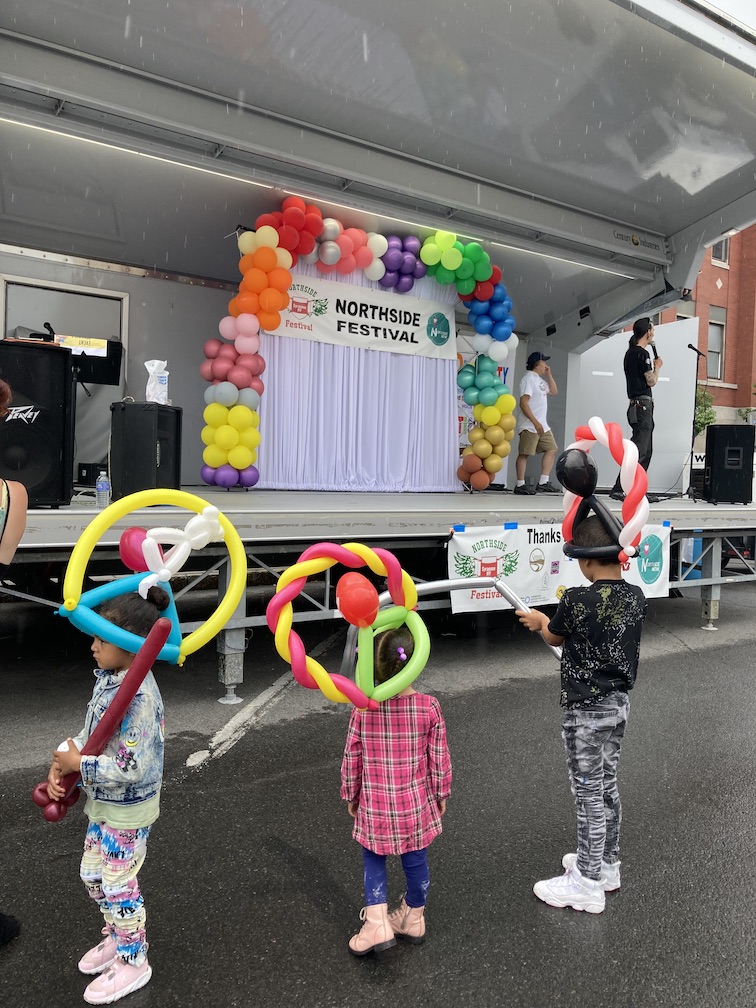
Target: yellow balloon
{"x": 208, "y": 435}
{"x": 495, "y": 434}
{"x": 240, "y": 457}
{"x": 482, "y": 448}
{"x": 267, "y": 236}
{"x": 249, "y": 438}
{"x": 493, "y": 463}
{"x": 214, "y": 456}
{"x": 247, "y": 242}
{"x": 507, "y": 422}
{"x": 444, "y": 239}
{"x": 509, "y": 435}
{"x": 467, "y": 451}
{"x": 475, "y": 434}
{"x": 477, "y": 411}
{"x": 215, "y": 415}
{"x": 283, "y": 258}
{"x": 255, "y": 418}
{"x": 240, "y": 417}
{"x": 237, "y": 585}
{"x": 226, "y": 437}
{"x": 503, "y": 449}
{"x": 506, "y": 403}
{"x": 490, "y": 416}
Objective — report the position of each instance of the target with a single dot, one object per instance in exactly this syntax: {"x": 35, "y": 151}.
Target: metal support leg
{"x": 231, "y": 644}
{"x": 711, "y": 567}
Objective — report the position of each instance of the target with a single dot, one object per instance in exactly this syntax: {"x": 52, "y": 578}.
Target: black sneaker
{"x": 617, "y": 495}
{"x": 521, "y": 490}
{"x": 547, "y": 488}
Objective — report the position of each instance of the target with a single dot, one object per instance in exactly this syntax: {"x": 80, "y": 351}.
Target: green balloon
{"x": 485, "y": 363}
{"x": 444, "y": 275}
{"x": 465, "y": 287}
{"x": 458, "y": 245}
{"x": 487, "y": 397}
{"x": 394, "y": 686}
{"x": 483, "y": 270}
{"x": 465, "y": 379}
{"x": 473, "y": 252}
{"x": 465, "y": 269}
{"x": 432, "y": 269}
{"x": 471, "y": 395}
{"x": 484, "y": 379}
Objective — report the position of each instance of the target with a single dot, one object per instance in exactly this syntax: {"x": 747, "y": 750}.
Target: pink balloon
{"x": 363, "y": 257}
{"x": 247, "y": 344}
{"x": 130, "y": 548}
{"x": 325, "y": 267}
{"x": 346, "y": 265}
{"x": 220, "y": 368}
{"x": 258, "y": 365}
{"x": 247, "y": 325}
{"x": 206, "y": 370}
{"x": 346, "y": 245}
{"x": 227, "y": 327}
{"x": 257, "y": 385}
{"x": 239, "y": 376}
{"x": 228, "y": 351}
{"x": 358, "y": 236}
{"x": 211, "y": 348}
{"x": 247, "y": 360}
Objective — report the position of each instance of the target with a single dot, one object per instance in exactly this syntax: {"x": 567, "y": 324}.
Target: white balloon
{"x": 377, "y": 244}
{"x": 329, "y": 253}
{"x": 498, "y": 351}
{"x": 249, "y": 397}
{"x": 375, "y": 270}
{"x": 331, "y": 230}
{"x": 481, "y": 342}
{"x": 226, "y": 393}
{"x": 210, "y": 394}
{"x": 512, "y": 343}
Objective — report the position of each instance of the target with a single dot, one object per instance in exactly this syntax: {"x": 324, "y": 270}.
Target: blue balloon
{"x": 510, "y": 320}
{"x": 508, "y": 303}
{"x": 497, "y": 311}
{"x": 499, "y": 292}
{"x": 479, "y": 307}
{"x": 482, "y": 324}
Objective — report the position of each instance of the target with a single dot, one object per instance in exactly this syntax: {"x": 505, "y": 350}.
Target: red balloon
{"x": 496, "y": 275}
{"x": 211, "y": 348}
{"x": 130, "y": 548}
{"x": 483, "y": 290}
{"x": 357, "y": 599}
{"x": 257, "y": 385}
{"x": 313, "y": 222}
{"x": 306, "y": 244}
{"x": 294, "y": 201}
{"x": 266, "y": 220}
{"x": 288, "y": 237}
{"x": 294, "y": 216}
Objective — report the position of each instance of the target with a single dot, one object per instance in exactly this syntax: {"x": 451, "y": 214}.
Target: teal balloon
{"x": 485, "y": 363}
{"x": 484, "y": 379}
{"x": 465, "y": 379}
{"x": 500, "y": 389}
{"x": 488, "y": 396}
{"x": 471, "y": 396}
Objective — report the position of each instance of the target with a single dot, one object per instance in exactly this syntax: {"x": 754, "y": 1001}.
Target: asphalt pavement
{"x": 252, "y": 880}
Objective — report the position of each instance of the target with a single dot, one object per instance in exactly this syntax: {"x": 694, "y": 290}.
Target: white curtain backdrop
{"x": 343, "y": 418}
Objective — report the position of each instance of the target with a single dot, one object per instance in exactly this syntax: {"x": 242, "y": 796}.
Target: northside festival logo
{"x": 651, "y": 559}
{"x": 491, "y": 559}
{"x": 305, "y": 304}
{"x": 437, "y": 329}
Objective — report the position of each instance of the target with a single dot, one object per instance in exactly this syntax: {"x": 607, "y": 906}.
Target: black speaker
{"x": 145, "y": 447}
{"x": 728, "y": 472}
{"x": 37, "y": 438}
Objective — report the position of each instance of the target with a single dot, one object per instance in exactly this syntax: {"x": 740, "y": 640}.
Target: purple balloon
{"x": 394, "y": 241}
{"x": 393, "y": 259}
{"x": 226, "y": 476}
{"x": 389, "y": 279}
{"x": 404, "y": 284}
{"x": 412, "y": 244}
{"x": 207, "y": 474}
{"x": 409, "y": 262}
{"x": 249, "y": 476}
{"x": 420, "y": 270}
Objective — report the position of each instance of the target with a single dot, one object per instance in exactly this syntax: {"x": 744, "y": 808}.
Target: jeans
{"x": 592, "y": 737}
{"x": 641, "y": 420}
{"x": 109, "y": 867}
{"x": 415, "y": 865}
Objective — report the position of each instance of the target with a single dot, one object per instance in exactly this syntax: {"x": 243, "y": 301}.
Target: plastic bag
{"x": 157, "y": 382}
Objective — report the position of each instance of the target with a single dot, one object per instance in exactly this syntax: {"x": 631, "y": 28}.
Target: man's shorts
{"x": 532, "y": 443}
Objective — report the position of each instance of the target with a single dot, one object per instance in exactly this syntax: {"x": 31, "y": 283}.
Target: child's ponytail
{"x": 391, "y": 651}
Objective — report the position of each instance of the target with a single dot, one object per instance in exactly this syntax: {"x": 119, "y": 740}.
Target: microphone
{"x": 695, "y": 350}
{"x": 653, "y": 351}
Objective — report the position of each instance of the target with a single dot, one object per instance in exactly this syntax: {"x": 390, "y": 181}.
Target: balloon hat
{"x": 578, "y": 474}
{"x": 357, "y": 600}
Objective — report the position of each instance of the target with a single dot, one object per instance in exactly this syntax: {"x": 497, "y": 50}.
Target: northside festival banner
{"x": 530, "y": 559}
{"x": 363, "y": 317}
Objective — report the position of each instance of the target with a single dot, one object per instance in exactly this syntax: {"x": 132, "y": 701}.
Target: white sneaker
{"x": 572, "y": 890}
{"x": 610, "y": 873}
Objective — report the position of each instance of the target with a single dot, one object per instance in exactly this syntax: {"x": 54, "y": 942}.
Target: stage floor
{"x": 270, "y": 517}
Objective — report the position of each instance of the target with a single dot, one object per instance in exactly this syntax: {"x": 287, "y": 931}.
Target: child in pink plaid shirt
{"x": 395, "y": 777}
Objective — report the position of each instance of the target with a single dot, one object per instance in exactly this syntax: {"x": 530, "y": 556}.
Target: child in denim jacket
{"x": 122, "y": 786}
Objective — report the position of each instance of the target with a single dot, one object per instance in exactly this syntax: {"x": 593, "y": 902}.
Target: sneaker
{"x": 617, "y": 495}
{"x": 572, "y": 890}
{"x": 118, "y": 980}
{"x": 99, "y": 957}
{"x": 521, "y": 490}
{"x": 547, "y": 488}
{"x": 610, "y": 873}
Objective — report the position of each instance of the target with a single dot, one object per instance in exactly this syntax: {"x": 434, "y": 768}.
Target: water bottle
{"x": 102, "y": 490}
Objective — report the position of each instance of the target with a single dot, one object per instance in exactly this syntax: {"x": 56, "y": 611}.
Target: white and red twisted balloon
{"x": 633, "y": 478}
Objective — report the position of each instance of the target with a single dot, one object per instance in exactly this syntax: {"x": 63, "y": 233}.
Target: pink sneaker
{"x": 117, "y": 981}
{"x": 99, "y": 957}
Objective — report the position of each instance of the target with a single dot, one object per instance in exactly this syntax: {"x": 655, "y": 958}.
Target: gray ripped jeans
{"x": 592, "y": 737}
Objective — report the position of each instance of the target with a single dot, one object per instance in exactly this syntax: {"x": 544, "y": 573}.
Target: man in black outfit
{"x": 641, "y": 374}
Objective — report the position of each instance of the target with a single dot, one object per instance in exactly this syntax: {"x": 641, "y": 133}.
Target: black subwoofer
{"x": 37, "y": 435}
{"x": 145, "y": 447}
{"x": 728, "y": 471}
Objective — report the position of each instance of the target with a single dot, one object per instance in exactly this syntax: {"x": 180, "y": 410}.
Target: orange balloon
{"x": 246, "y": 263}
{"x": 280, "y": 279}
{"x": 286, "y": 301}
{"x": 251, "y": 301}
{"x": 462, "y": 474}
{"x": 233, "y": 307}
{"x": 265, "y": 259}
{"x": 269, "y": 320}
{"x": 271, "y": 300}
{"x": 479, "y": 480}
{"x": 255, "y": 280}
{"x": 472, "y": 462}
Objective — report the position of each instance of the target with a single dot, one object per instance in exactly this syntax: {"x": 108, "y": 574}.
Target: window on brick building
{"x": 715, "y": 350}
{"x": 720, "y": 253}
{"x": 685, "y": 310}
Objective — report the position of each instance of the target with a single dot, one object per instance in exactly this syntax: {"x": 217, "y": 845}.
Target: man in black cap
{"x": 641, "y": 374}
{"x": 535, "y": 434}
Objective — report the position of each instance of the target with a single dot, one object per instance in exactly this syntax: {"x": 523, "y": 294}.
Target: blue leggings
{"x": 415, "y": 865}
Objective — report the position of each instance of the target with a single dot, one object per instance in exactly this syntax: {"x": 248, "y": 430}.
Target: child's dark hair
{"x": 133, "y": 613}
{"x": 392, "y": 649}
{"x": 591, "y": 532}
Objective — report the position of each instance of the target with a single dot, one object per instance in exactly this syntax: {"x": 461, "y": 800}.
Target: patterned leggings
{"x": 592, "y": 737}
{"x": 109, "y": 867}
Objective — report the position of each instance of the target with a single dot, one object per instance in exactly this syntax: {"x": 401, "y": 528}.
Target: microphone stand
{"x": 691, "y": 491}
